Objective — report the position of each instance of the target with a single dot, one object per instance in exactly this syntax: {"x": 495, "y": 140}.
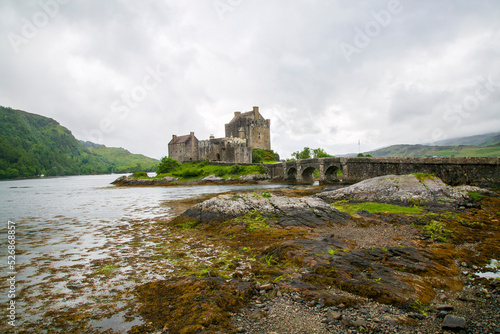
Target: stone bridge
{"x": 453, "y": 171}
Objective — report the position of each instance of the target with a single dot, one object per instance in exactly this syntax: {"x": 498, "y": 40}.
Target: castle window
{"x": 259, "y": 135}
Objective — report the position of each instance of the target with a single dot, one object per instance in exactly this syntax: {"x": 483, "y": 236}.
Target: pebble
{"x": 441, "y": 314}
{"x": 332, "y": 316}
{"x": 360, "y": 323}
{"x": 444, "y": 307}
{"x": 418, "y": 316}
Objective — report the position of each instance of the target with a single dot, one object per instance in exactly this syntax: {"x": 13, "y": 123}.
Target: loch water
{"x": 65, "y": 227}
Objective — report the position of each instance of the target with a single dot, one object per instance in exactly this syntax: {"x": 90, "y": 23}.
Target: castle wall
{"x": 225, "y": 149}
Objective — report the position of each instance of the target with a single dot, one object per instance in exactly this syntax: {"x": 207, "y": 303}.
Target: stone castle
{"x": 246, "y": 131}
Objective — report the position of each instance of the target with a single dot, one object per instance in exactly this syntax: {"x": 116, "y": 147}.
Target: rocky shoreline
{"x": 129, "y": 181}
{"x": 409, "y": 265}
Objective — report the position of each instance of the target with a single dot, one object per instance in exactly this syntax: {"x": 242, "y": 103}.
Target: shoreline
{"x": 126, "y": 182}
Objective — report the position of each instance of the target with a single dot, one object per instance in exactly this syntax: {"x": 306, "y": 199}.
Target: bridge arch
{"x": 302, "y": 171}
{"x": 331, "y": 174}
{"x": 291, "y": 174}
{"x": 308, "y": 174}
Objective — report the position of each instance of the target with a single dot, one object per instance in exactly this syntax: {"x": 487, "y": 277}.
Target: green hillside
{"x": 123, "y": 161}
{"x": 31, "y": 145}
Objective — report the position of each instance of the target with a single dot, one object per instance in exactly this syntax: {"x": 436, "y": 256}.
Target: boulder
{"x": 212, "y": 178}
{"x": 170, "y": 179}
{"x": 453, "y": 322}
{"x": 403, "y": 189}
{"x": 288, "y": 211}
{"x": 254, "y": 177}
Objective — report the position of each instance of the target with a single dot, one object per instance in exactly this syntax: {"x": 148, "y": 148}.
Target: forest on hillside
{"x": 32, "y": 145}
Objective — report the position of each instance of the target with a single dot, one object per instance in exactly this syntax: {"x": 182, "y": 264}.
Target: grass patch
{"x": 374, "y": 207}
{"x": 437, "y": 231}
{"x": 423, "y": 176}
{"x": 254, "y": 221}
{"x": 195, "y": 170}
{"x": 140, "y": 175}
{"x": 475, "y": 195}
{"x": 189, "y": 225}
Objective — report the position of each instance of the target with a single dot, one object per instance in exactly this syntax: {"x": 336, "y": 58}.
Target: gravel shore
{"x": 477, "y": 304}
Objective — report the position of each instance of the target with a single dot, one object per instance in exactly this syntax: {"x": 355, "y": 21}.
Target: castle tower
{"x": 252, "y": 127}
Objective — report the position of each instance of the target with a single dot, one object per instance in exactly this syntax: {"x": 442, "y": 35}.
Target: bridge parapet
{"x": 453, "y": 171}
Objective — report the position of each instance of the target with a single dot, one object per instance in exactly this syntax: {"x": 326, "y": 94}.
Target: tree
{"x": 304, "y": 154}
{"x": 307, "y": 153}
{"x": 320, "y": 153}
{"x": 260, "y": 156}
{"x": 167, "y": 165}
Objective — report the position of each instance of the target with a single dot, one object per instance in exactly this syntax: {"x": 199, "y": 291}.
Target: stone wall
{"x": 453, "y": 171}
{"x": 232, "y": 150}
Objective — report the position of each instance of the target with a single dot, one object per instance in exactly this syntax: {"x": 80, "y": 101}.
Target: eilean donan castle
{"x": 246, "y": 131}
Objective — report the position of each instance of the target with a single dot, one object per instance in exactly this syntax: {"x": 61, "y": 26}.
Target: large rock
{"x": 453, "y": 322}
{"x": 403, "y": 189}
{"x": 288, "y": 211}
{"x": 130, "y": 181}
{"x": 212, "y": 178}
{"x": 254, "y": 177}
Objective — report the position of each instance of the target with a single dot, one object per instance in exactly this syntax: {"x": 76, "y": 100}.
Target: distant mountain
{"x": 416, "y": 151}
{"x": 487, "y": 145}
{"x": 31, "y": 145}
{"x": 480, "y": 140}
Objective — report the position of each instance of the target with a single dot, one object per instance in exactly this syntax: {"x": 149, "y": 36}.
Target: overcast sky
{"x": 327, "y": 73}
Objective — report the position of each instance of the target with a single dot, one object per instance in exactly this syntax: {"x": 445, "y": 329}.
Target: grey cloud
{"x": 283, "y": 57}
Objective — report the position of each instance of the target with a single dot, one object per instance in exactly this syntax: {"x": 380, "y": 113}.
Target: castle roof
{"x": 180, "y": 139}
{"x": 254, "y": 114}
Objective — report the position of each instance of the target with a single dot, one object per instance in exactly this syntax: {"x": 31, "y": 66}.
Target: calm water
{"x": 65, "y": 226}
{"x": 89, "y": 197}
